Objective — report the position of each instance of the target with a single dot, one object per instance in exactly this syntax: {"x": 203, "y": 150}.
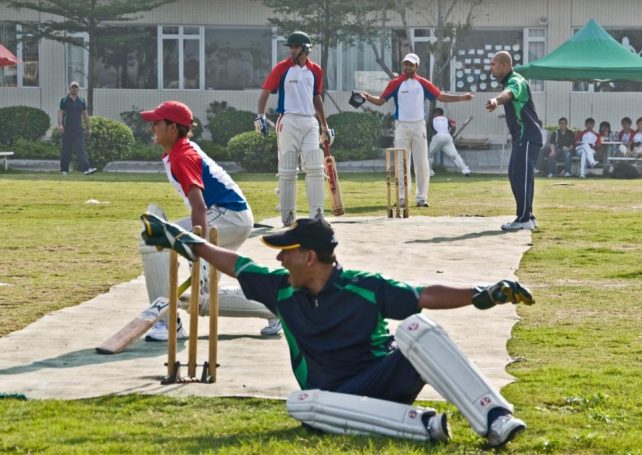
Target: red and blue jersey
{"x": 409, "y": 95}
{"x": 296, "y": 86}
{"x": 338, "y": 333}
{"x": 187, "y": 165}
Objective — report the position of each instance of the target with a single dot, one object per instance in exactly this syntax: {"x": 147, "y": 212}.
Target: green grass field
{"x": 579, "y": 348}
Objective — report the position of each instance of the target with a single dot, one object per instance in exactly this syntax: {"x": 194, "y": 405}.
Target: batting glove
{"x": 504, "y": 291}
{"x": 261, "y": 124}
{"x": 161, "y": 234}
{"x": 327, "y": 136}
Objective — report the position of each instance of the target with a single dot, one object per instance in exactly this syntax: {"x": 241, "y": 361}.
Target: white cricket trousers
{"x": 298, "y": 139}
{"x": 444, "y": 142}
{"x": 412, "y": 136}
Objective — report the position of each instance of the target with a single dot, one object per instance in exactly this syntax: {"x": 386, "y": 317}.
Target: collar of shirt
{"x": 177, "y": 145}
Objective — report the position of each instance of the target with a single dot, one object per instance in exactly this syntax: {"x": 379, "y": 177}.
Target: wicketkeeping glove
{"x": 261, "y": 124}
{"x": 327, "y": 136}
{"x": 504, "y": 291}
{"x": 161, "y": 234}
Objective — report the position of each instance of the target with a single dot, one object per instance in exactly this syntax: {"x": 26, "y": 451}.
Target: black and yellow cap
{"x": 310, "y": 233}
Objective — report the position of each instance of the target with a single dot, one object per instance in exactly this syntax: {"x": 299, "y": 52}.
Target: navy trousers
{"x": 73, "y": 140}
{"x": 521, "y": 174}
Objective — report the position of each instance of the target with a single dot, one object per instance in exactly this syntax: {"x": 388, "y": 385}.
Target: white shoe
{"x": 503, "y": 429}
{"x": 422, "y": 204}
{"x": 63, "y": 173}
{"x": 432, "y": 173}
{"x": 159, "y": 331}
{"x": 567, "y": 174}
{"x": 517, "y": 226}
{"x": 550, "y": 176}
{"x": 91, "y": 170}
{"x": 534, "y": 221}
{"x": 273, "y": 327}
{"x": 437, "y": 426}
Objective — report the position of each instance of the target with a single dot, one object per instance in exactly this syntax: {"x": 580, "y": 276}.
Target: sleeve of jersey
{"x": 516, "y": 88}
{"x": 188, "y": 172}
{"x": 398, "y": 300}
{"x": 260, "y": 283}
{"x": 273, "y": 80}
{"x": 431, "y": 91}
{"x": 391, "y": 88}
{"x": 318, "y": 80}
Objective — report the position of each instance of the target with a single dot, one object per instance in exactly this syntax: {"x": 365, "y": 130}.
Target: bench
{"x": 6, "y": 156}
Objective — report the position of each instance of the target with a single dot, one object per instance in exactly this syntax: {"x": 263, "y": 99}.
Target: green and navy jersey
{"x": 521, "y": 117}
{"x": 72, "y": 112}
{"x": 337, "y": 333}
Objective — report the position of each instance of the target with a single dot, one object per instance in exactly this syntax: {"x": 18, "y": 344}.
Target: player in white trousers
{"x": 298, "y": 82}
{"x": 214, "y": 199}
{"x": 409, "y": 90}
{"x": 442, "y": 140}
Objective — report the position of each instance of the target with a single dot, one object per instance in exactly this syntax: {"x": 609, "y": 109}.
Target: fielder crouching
{"x": 354, "y": 375}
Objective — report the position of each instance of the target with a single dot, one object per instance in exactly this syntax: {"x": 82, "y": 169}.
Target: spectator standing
{"x": 71, "y": 114}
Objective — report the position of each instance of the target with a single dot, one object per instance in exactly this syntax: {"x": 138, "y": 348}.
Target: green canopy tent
{"x": 590, "y": 55}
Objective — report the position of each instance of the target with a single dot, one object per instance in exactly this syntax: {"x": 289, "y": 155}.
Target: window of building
{"x": 14, "y": 38}
{"x": 477, "y": 48}
{"x": 127, "y": 57}
{"x": 237, "y": 58}
{"x": 181, "y": 55}
{"x": 630, "y": 39}
{"x": 78, "y": 59}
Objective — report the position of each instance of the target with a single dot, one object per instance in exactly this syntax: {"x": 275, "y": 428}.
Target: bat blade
{"x": 135, "y": 328}
{"x": 333, "y": 182}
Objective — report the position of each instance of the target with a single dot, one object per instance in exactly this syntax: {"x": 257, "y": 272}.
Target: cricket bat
{"x": 139, "y": 325}
{"x": 463, "y": 125}
{"x": 333, "y": 181}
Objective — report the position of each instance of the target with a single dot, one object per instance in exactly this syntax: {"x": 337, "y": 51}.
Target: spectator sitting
{"x": 588, "y": 141}
{"x": 560, "y": 148}
{"x": 636, "y": 145}
{"x": 606, "y": 135}
{"x": 625, "y": 135}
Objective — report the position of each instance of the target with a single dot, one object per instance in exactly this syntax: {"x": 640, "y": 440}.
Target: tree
{"x": 82, "y": 16}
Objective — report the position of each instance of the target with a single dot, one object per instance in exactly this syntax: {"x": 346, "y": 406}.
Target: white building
{"x": 200, "y": 51}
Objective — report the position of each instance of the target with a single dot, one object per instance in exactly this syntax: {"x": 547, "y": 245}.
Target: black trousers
{"x": 521, "y": 174}
{"x": 73, "y": 140}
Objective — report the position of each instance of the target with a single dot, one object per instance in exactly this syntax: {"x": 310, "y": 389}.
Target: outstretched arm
{"x": 439, "y": 297}
{"x": 448, "y": 98}
{"x": 161, "y": 234}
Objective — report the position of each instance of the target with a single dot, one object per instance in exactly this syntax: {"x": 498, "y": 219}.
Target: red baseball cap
{"x": 170, "y": 110}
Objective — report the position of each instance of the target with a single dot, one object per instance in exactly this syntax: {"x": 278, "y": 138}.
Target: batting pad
{"x": 445, "y": 367}
{"x": 288, "y": 168}
{"x": 312, "y": 163}
{"x": 341, "y": 413}
{"x": 231, "y": 303}
{"x": 156, "y": 269}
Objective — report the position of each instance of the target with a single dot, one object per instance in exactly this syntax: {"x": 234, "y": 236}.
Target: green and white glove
{"x": 504, "y": 291}
{"x": 162, "y": 234}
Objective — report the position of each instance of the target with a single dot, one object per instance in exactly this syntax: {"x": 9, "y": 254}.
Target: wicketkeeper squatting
{"x": 354, "y": 375}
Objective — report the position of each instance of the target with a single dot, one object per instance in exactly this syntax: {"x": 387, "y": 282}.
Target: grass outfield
{"x": 579, "y": 347}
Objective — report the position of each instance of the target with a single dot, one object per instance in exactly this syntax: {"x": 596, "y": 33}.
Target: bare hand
{"x": 468, "y": 96}
{"x": 491, "y": 104}
{"x": 61, "y": 129}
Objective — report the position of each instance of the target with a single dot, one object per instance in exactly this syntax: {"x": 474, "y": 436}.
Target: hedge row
{"x": 359, "y": 136}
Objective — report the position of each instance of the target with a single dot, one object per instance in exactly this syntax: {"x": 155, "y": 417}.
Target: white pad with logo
{"x": 156, "y": 270}
{"x": 312, "y": 164}
{"x": 444, "y": 366}
{"x": 288, "y": 168}
{"x": 231, "y": 303}
{"x": 341, "y": 413}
